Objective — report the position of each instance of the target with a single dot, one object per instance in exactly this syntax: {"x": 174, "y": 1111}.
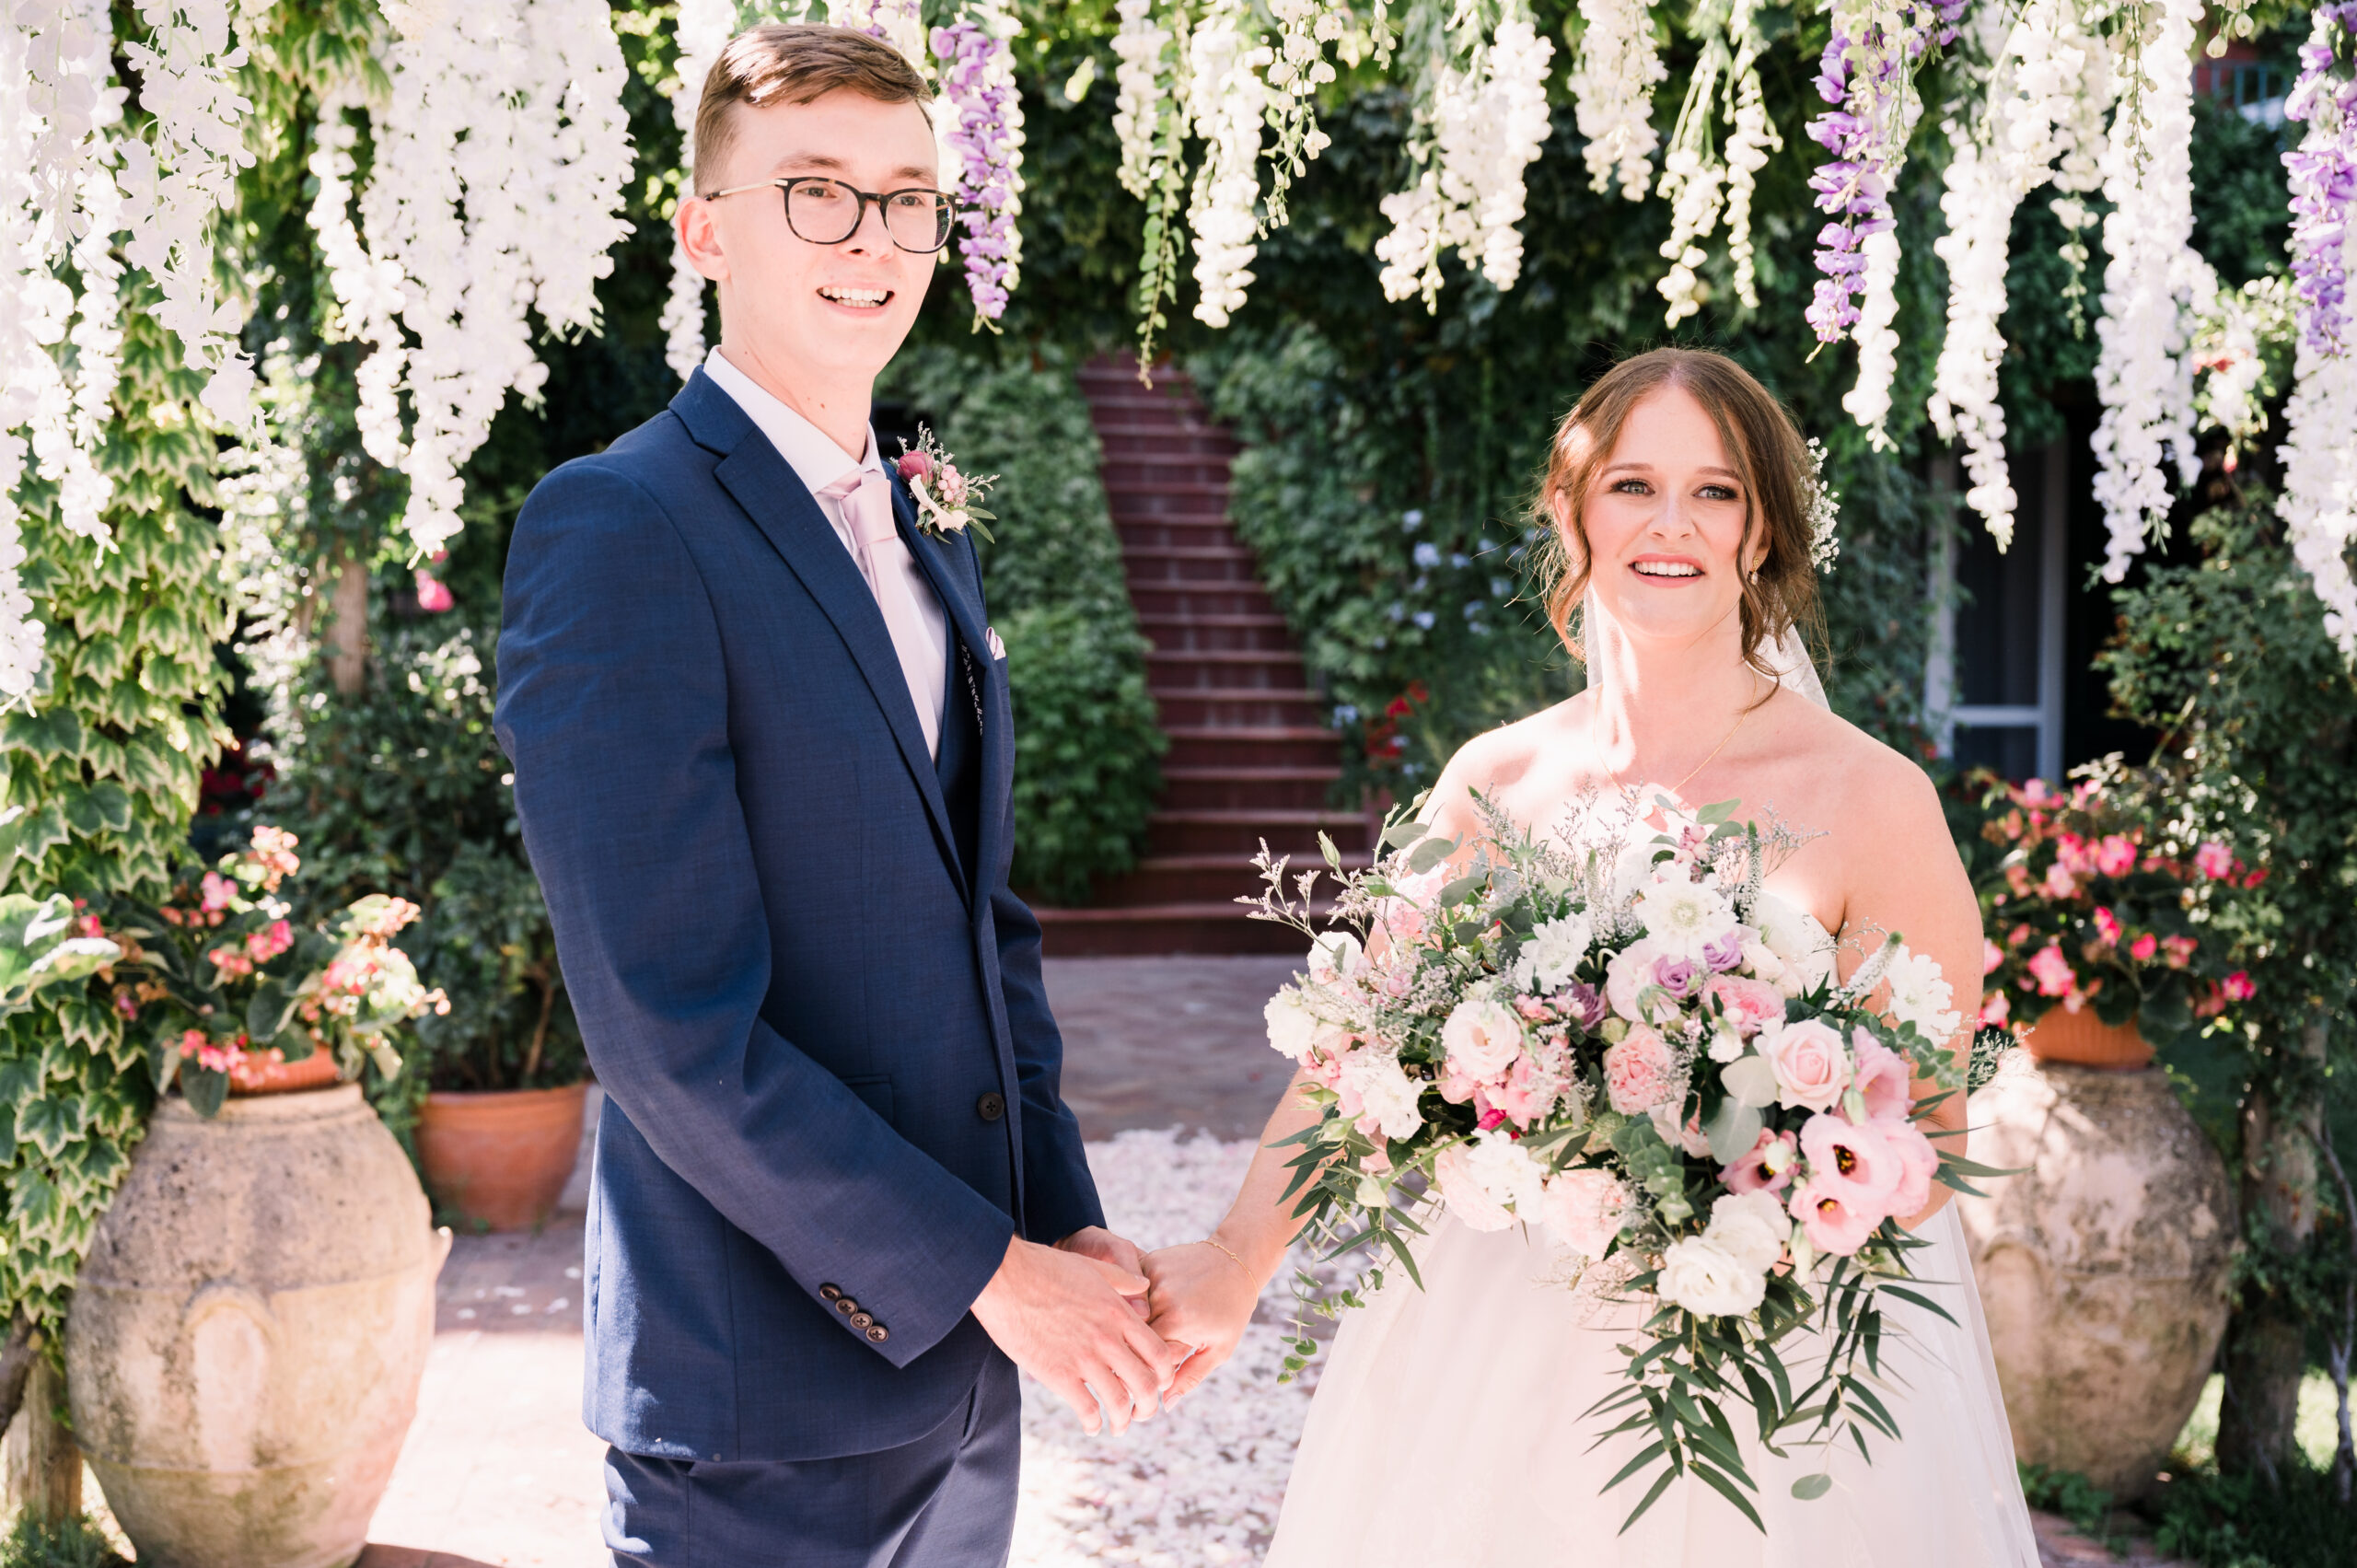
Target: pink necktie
{"x": 865, "y": 497}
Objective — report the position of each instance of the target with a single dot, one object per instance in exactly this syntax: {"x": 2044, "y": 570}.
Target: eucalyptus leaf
{"x": 1750, "y": 1080}
{"x": 1733, "y": 1131}
{"x": 1810, "y": 1488}
{"x": 1429, "y": 854}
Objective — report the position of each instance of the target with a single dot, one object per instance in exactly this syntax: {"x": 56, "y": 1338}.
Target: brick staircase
{"x": 1250, "y": 755}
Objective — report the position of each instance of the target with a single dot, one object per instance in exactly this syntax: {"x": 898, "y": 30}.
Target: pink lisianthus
{"x": 1812, "y": 1066}
{"x": 1641, "y": 1071}
{"x": 2213, "y": 861}
{"x": 1768, "y": 1167}
{"x": 1855, "y": 1162}
{"x": 2143, "y": 947}
{"x": 1750, "y": 1005}
{"x": 2052, "y": 971}
{"x": 1582, "y": 1210}
{"x": 1918, "y": 1163}
{"x": 2116, "y": 856}
{"x": 1882, "y": 1076}
{"x": 1830, "y": 1222}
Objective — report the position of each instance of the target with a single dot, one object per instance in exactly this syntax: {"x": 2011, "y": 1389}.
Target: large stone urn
{"x": 2102, "y": 1266}
{"x": 243, "y": 1353}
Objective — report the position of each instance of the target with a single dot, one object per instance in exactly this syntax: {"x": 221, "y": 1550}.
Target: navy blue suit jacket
{"x": 804, "y": 1008}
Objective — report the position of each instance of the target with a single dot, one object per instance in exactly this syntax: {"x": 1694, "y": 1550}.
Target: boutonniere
{"x": 948, "y": 500}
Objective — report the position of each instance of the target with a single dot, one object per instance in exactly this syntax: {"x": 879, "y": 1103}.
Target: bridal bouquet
{"x": 1641, "y": 1051}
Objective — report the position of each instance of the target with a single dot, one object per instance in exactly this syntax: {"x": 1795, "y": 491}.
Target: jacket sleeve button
{"x": 830, "y": 1292}
{"x": 846, "y": 1306}
{"x": 878, "y": 1333}
{"x": 991, "y": 1106}
{"x": 861, "y": 1320}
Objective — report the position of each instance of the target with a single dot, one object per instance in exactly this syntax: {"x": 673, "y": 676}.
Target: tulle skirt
{"x": 1447, "y": 1430}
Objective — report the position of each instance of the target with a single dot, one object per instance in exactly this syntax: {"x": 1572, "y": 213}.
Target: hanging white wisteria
{"x": 1487, "y": 121}
{"x": 704, "y": 28}
{"x": 2152, "y": 280}
{"x": 497, "y": 189}
{"x": 1752, "y": 139}
{"x": 2039, "y": 71}
{"x": 1694, "y": 181}
{"x": 1228, "y": 101}
{"x": 173, "y": 186}
{"x": 1143, "y": 89}
{"x": 1612, "y": 94}
{"x": 2319, "y": 501}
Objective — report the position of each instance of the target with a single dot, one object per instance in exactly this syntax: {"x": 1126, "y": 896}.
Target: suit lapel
{"x": 958, "y": 602}
{"x": 774, "y": 497}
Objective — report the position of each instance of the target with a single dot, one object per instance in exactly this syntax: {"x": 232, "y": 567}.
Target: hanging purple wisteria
{"x": 981, "y": 132}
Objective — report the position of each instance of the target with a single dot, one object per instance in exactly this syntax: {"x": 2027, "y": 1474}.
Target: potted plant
{"x": 2094, "y": 919}
{"x": 2103, "y": 1252}
{"x": 252, "y": 1317}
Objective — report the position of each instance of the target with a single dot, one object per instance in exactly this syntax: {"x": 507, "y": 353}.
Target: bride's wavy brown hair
{"x": 1770, "y": 459}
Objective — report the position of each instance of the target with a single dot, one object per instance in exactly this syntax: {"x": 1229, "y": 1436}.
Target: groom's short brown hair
{"x": 794, "y": 62}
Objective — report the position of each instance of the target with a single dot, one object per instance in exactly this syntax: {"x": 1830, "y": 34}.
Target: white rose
{"x": 1508, "y": 1172}
{"x": 1293, "y": 1027}
{"x": 1708, "y": 1280}
{"x": 1760, "y": 961}
{"x": 1556, "y": 948}
{"x": 1481, "y": 1038}
{"x": 1750, "y": 1227}
{"x": 1792, "y": 936}
{"x": 1334, "y": 957}
{"x": 1920, "y": 995}
{"x": 1466, "y": 1195}
{"x": 1684, "y": 916}
{"x": 1386, "y": 1093}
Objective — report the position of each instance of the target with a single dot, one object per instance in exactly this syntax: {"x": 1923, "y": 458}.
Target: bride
{"x": 1449, "y": 1427}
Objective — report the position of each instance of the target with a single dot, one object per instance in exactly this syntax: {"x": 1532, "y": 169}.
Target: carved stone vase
{"x": 243, "y": 1353}
{"x": 2102, "y": 1265}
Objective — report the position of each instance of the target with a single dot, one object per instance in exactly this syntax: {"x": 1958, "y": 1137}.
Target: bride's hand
{"x": 1200, "y": 1297}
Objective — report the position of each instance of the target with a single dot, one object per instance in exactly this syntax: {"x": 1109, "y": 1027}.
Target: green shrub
{"x": 1088, "y": 747}
{"x": 73, "y": 1543}
{"x": 2240, "y": 1522}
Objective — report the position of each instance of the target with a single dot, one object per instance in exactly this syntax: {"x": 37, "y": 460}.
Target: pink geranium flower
{"x": 1751, "y": 1173}
{"x": 2116, "y": 856}
{"x": 2237, "y": 986}
{"x": 2052, "y": 971}
{"x": 2213, "y": 861}
{"x": 2107, "y": 927}
{"x": 1830, "y": 1222}
{"x": 2143, "y": 947}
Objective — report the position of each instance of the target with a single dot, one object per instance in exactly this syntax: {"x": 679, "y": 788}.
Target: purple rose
{"x": 1677, "y": 976}
{"x": 1723, "y": 954}
{"x": 1582, "y": 1002}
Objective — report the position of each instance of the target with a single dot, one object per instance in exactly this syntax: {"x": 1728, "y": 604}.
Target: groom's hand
{"x": 1065, "y": 1319}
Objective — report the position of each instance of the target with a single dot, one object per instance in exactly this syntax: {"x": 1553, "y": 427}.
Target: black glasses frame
{"x": 785, "y": 185}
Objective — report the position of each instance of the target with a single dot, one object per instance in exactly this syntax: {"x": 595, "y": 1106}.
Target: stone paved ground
{"x": 498, "y": 1471}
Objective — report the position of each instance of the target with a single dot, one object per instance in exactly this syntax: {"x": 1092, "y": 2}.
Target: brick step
{"x": 1243, "y": 709}
{"x": 1195, "y": 878}
{"x": 1171, "y": 600}
{"x": 1244, "y": 789}
{"x": 1224, "y": 634}
{"x": 1178, "y": 533}
{"x": 1285, "y": 831}
{"x": 1155, "y": 440}
{"x": 1231, "y": 746}
{"x": 1166, "y": 476}
{"x": 1193, "y": 671}
{"x": 1146, "y": 506}
{"x": 1181, "y": 569}
{"x": 1155, "y": 929}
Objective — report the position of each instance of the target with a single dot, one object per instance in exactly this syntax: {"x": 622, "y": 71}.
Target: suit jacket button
{"x": 846, "y": 1306}
{"x": 830, "y": 1292}
{"x": 861, "y": 1320}
{"x": 878, "y": 1333}
{"x": 991, "y": 1106}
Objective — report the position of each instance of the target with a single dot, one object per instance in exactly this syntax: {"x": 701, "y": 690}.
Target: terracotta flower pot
{"x": 268, "y": 1072}
{"x": 2082, "y": 1040}
{"x": 502, "y": 1158}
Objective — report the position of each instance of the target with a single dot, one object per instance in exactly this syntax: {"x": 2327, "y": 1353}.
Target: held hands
{"x": 1202, "y": 1298}
{"x": 1066, "y": 1316}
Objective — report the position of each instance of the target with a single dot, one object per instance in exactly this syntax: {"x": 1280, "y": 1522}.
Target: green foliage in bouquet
{"x": 1640, "y": 1048}
{"x": 1087, "y": 744}
{"x": 2101, "y": 899}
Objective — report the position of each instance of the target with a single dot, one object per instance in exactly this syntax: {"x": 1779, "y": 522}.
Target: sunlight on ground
{"x": 2317, "y": 1431}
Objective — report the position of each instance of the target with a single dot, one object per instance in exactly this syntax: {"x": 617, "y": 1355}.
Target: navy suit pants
{"x": 945, "y": 1501}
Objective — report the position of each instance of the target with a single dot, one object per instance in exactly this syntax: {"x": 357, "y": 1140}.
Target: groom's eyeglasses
{"x": 828, "y": 211}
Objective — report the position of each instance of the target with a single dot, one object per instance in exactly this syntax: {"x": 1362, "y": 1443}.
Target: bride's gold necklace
{"x": 1612, "y": 774}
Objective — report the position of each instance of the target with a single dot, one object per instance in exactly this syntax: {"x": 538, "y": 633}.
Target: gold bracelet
{"x": 1214, "y": 1241}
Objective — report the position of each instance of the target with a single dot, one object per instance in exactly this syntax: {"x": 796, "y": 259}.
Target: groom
{"x": 762, "y": 747}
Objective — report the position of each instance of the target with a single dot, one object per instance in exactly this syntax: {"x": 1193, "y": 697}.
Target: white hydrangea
{"x": 2144, "y": 376}
{"x": 1612, "y": 94}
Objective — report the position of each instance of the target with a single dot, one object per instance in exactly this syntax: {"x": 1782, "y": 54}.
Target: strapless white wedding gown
{"x": 1448, "y": 1432}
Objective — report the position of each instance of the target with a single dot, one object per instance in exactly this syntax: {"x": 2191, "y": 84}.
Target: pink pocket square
{"x": 990, "y": 636}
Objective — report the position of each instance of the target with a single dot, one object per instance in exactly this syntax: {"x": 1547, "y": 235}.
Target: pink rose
{"x": 1919, "y": 1162}
{"x": 1641, "y": 1071}
{"x": 915, "y": 465}
{"x": 2052, "y": 971}
{"x": 1582, "y": 1210}
{"x": 1468, "y": 1199}
{"x": 1830, "y": 1223}
{"x": 1751, "y": 1173}
{"x": 2213, "y": 861}
{"x": 1857, "y": 1163}
{"x": 1811, "y": 1065}
{"x": 1481, "y": 1038}
{"x": 1750, "y": 1005}
{"x": 1882, "y": 1078}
